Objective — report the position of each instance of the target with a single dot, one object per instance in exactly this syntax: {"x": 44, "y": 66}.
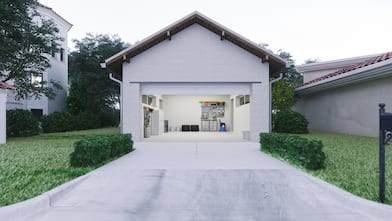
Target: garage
{"x": 195, "y": 111}
{"x": 195, "y": 80}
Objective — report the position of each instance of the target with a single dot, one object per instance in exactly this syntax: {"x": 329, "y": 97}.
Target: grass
{"x": 33, "y": 165}
{"x": 352, "y": 164}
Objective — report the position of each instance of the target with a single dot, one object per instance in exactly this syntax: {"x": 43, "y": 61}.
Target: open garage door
{"x": 195, "y": 111}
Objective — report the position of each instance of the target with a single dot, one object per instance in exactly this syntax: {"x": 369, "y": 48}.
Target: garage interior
{"x": 195, "y": 117}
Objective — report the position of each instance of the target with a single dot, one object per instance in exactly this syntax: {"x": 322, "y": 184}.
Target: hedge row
{"x": 64, "y": 121}
{"x": 93, "y": 151}
{"x": 307, "y": 153}
{"x": 21, "y": 123}
{"x": 290, "y": 122}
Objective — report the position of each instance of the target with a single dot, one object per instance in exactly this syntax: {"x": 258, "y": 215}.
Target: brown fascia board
{"x": 276, "y": 64}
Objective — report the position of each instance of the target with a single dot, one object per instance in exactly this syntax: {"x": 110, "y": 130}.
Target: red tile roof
{"x": 368, "y": 62}
{"x": 6, "y": 86}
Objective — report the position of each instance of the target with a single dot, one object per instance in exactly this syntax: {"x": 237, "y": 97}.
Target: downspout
{"x": 270, "y": 98}
{"x": 115, "y": 79}
{"x": 103, "y": 66}
{"x": 121, "y": 102}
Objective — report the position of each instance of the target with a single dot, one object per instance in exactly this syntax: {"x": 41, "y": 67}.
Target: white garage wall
{"x": 179, "y": 110}
{"x": 195, "y": 55}
{"x": 242, "y": 118}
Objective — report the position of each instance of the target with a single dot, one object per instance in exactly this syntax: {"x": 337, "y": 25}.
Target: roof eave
{"x": 372, "y": 72}
{"x": 196, "y": 17}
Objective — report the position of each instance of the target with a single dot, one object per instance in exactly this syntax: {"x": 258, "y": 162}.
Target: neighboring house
{"x": 195, "y": 75}
{"x": 3, "y": 99}
{"x": 345, "y": 98}
{"x": 58, "y": 72}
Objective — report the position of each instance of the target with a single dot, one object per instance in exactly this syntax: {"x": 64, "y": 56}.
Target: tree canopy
{"x": 27, "y": 39}
{"x": 91, "y": 89}
{"x": 283, "y": 96}
{"x": 291, "y": 75}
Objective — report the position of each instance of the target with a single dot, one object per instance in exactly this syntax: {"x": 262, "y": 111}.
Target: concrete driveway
{"x": 201, "y": 181}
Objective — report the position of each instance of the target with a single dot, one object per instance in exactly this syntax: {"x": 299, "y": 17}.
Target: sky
{"x": 327, "y": 30}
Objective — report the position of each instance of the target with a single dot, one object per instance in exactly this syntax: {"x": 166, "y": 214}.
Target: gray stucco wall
{"x": 349, "y": 110}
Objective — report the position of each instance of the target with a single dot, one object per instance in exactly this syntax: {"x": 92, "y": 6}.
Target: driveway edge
{"x": 40, "y": 203}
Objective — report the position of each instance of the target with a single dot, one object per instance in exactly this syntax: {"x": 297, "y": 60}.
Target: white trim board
{"x": 195, "y": 88}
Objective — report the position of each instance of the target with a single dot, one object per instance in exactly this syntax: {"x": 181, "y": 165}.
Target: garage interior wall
{"x": 179, "y": 110}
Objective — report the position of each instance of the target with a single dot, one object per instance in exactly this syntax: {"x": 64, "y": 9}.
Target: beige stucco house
{"x": 342, "y": 96}
{"x": 194, "y": 76}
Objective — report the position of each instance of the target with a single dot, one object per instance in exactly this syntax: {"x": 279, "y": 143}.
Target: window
{"x": 147, "y": 99}
{"x": 38, "y": 113}
{"x": 53, "y": 49}
{"x": 61, "y": 54}
{"x": 36, "y": 80}
{"x": 242, "y": 100}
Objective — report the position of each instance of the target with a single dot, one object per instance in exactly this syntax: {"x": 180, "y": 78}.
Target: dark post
{"x": 381, "y": 193}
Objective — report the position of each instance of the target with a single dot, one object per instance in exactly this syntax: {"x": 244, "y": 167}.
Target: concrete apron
{"x": 201, "y": 181}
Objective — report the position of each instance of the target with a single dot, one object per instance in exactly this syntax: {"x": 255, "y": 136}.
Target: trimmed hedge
{"x": 93, "y": 151}
{"x": 57, "y": 122}
{"x": 64, "y": 121}
{"x": 290, "y": 122}
{"x": 21, "y": 123}
{"x": 307, "y": 153}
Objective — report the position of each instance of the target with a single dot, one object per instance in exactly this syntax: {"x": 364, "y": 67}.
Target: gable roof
{"x": 6, "y": 86}
{"x": 56, "y": 14}
{"x": 114, "y": 63}
{"x": 372, "y": 68}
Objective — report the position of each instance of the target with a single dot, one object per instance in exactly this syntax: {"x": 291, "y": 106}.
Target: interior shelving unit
{"x": 211, "y": 112}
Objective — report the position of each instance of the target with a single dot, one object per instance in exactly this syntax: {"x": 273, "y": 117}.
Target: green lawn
{"x": 352, "y": 164}
{"x": 33, "y": 165}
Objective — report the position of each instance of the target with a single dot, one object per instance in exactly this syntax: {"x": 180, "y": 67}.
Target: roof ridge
{"x": 370, "y": 61}
{"x": 6, "y": 86}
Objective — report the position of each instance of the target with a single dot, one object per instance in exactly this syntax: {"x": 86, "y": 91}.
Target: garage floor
{"x": 197, "y": 137}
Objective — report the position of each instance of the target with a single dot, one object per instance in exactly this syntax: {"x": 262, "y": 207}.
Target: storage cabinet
{"x": 209, "y": 125}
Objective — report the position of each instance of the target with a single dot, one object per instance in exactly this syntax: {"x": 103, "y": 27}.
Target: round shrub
{"x": 290, "y": 122}
{"x": 57, "y": 122}
{"x": 21, "y": 123}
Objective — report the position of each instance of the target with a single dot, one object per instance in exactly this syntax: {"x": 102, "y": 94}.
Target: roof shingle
{"x": 6, "y": 86}
{"x": 368, "y": 62}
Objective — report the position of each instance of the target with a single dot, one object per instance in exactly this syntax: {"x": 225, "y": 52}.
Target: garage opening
{"x": 195, "y": 117}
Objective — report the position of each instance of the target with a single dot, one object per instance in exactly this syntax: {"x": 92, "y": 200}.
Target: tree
{"x": 27, "y": 39}
{"x": 91, "y": 89}
{"x": 282, "y": 96}
{"x": 291, "y": 75}
{"x": 312, "y": 60}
